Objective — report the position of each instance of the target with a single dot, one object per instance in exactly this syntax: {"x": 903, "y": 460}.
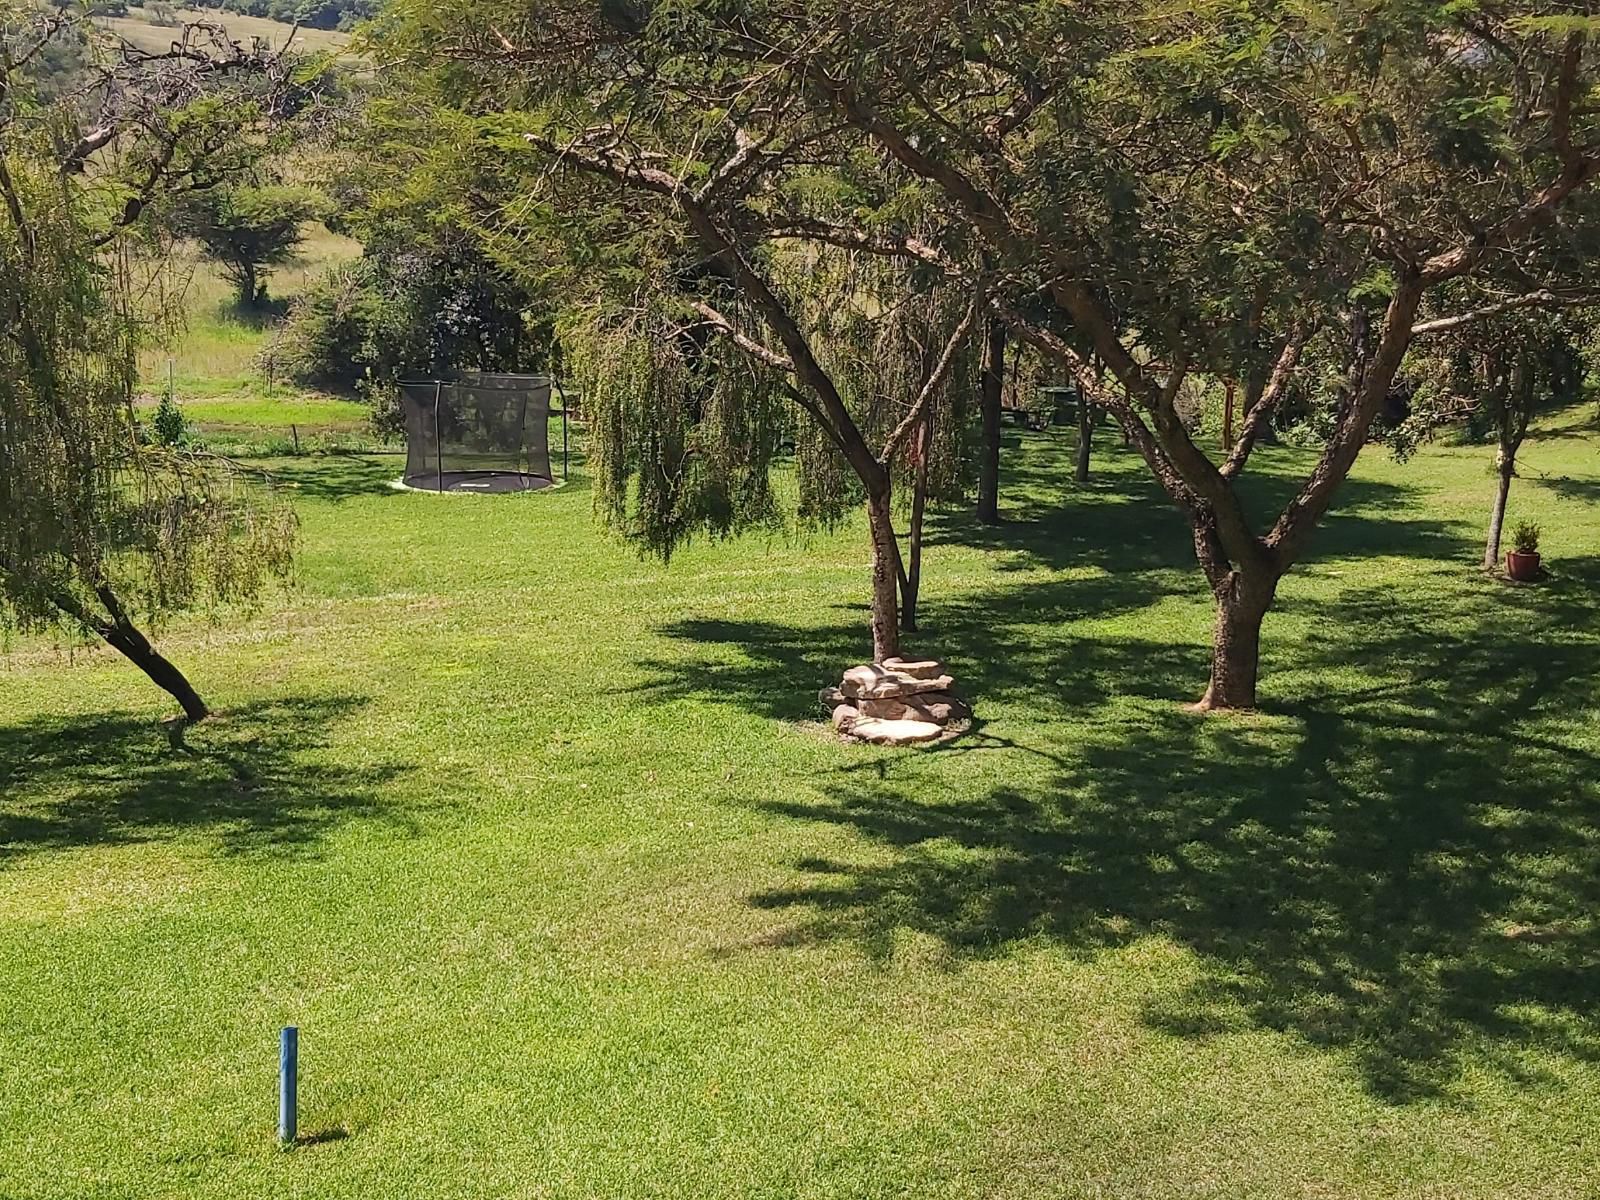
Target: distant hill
{"x": 142, "y": 27}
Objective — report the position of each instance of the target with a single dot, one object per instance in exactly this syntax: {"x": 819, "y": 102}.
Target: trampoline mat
{"x": 487, "y": 483}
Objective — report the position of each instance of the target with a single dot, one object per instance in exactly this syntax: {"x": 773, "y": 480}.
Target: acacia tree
{"x": 247, "y": 230}
{"x": 1494, "y": 374}
{"x": 687, "y": 194}
{"x": 100, "y": 528}
{"x": 1199, "y": 192}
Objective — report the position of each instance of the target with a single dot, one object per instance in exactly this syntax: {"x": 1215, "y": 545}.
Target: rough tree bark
{"x": 994, "y": 379}
{"x": 1243, "y": 601}
{"x": 1512, "y": 429}
{"x": 1086, "y": 418}
{"x": 912, "y": 581}
{"x": 1507, "y": 470}
{"x": 885, "y": 577}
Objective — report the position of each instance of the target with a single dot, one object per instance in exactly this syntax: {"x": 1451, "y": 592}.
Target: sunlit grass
{"x": 216, "y": 351}
{"x": 540, "y": 846}
{"x": 141, "y": 31}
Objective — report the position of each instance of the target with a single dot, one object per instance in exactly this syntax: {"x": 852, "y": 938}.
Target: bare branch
{"x": 748, "y": 344}
{"x": 1264, "y": 405}
{"x": 1543, "y": 298}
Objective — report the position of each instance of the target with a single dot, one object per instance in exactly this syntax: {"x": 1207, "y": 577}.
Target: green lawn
{"x": 534, "y": 842}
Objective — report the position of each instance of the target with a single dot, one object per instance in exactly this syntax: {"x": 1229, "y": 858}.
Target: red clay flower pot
{"x": 1524, "y": 568}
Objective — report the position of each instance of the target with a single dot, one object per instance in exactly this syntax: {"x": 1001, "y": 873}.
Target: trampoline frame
{"x": 440, "y": 474}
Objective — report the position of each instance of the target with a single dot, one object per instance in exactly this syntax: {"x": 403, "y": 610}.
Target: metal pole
{"x": 289, "y": 1085}
{"x": 562, "y": 393}
{"x": 438, "y": 445}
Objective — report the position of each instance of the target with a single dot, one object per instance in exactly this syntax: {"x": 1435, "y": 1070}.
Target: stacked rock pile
{"x": 896, "y": 703}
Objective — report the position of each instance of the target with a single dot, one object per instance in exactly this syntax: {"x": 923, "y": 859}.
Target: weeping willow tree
{"x": 101, "y": 532}
{"x": 692, "y": 412}
{"x": 744, "y": 308}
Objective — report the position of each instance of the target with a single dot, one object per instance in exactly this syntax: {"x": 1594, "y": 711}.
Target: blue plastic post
{"x": 289, "y": 1085}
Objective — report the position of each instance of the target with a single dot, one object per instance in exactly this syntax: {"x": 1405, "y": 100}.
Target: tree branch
{"x": 931, "y": 387}
{"x": 748, "y": 344}
{"x": 1543, "y": 298}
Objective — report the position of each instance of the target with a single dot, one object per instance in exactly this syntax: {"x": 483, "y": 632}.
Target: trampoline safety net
{"x": 478, "y": 433}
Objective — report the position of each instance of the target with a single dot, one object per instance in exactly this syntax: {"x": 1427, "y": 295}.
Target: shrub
{"x": 327, "y": 340}
{"x": 1526, "y": 538}
{"x": 168, "y": 424}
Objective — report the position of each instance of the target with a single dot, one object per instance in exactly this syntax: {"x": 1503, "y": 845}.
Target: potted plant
{"x": 1522, "y": 564}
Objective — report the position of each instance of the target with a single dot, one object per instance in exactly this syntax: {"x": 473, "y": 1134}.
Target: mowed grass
{"x": 534, "y": 842}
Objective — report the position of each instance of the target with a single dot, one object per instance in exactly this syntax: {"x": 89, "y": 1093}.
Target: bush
{"x": 328, "y": 339}
{"x": 1526, "y": 538}
{"x": 168, "y": 425}
{"x": 388, "y": 315}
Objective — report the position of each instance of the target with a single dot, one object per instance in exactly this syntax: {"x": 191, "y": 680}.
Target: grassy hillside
{"x": 138, "y": 28}
{"x": 539, "y": 846}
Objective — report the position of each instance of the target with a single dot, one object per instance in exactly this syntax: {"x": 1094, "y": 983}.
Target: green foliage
{"x": 97, "y": 521}
{"x": 412, "y": 310}
{"x": 683, "y": 429}
{"x": 1525, "y": 537}
{"x": 168, "y": 424}
{"x": 247, "y": 230}
{"x": 1490, "y": 378}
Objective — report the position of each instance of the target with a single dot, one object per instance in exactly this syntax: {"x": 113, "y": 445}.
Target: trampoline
{"x": 479, "y": 433}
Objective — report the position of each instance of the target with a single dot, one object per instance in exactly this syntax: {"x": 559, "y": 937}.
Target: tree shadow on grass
{"x": 1396, "y": 863}
{"x": 1404, "y": 870}
{"x": 1124, "y": 522}
{"x": 1568, "y": 488}
{"x": 1023, "y": 641}
{"x": 335, "y": 478}
{"x": 252, "y": 779}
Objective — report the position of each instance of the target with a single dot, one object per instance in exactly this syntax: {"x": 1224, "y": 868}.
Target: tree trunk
{"x": 123, "y": 636}
{"x": 249, "y": 288}
{"x": 1497, "y": 518}
{"x": 1242, "y": 605}
{"x": 919, "y": 511}
{"x": 994, "y": 379}
{"x": 1227, "y": 417}
{"x": 885, "y": 578}
{"x": 136, "y": 648}
{"x": 1086, "y": 417}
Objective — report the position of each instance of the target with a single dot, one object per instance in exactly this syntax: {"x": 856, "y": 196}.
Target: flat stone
{"x": 895, "y": 733}
{"x": 845, "y": 718}
{"x": 941, "y": 708}
{"x": 917, "y": 670}
{"x": 878, "y": 683}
